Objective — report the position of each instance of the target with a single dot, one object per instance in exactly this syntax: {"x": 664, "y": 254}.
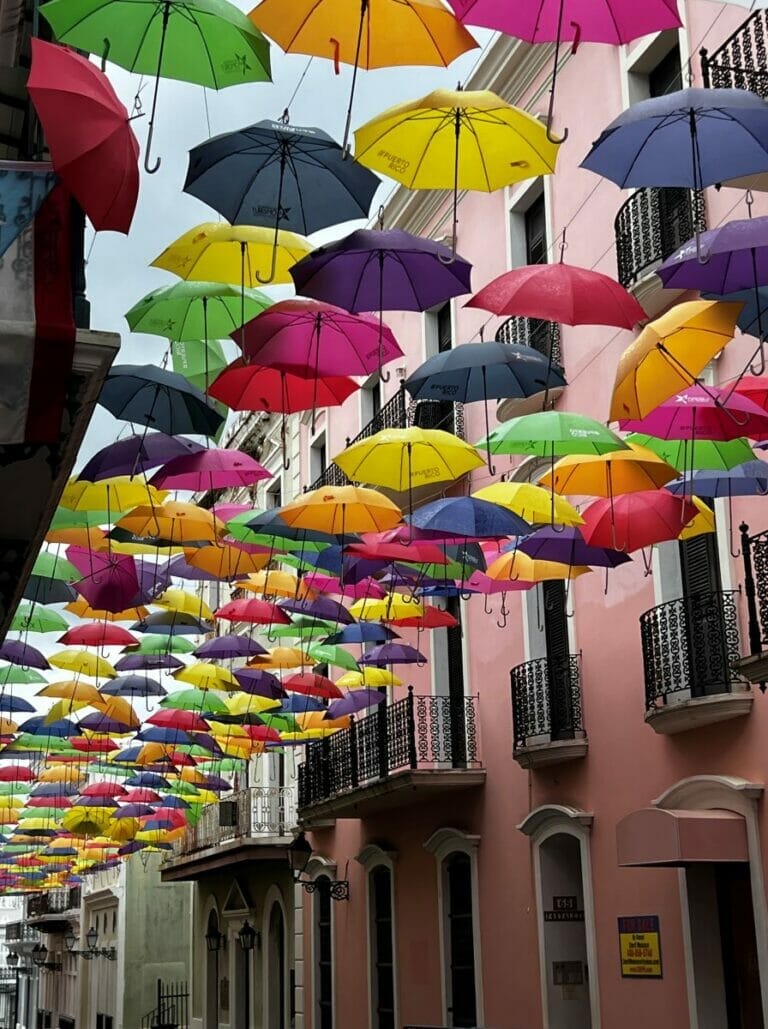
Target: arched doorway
{"x": 211, "y": 975}
{"x": 276, "y": 977}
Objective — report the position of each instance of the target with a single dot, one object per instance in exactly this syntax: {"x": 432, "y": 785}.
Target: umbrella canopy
{"x": 175, "y": 521}
{"x": 258, "y": 612}
{"x": 608, "y": 475}
{"x": 210, "y": 470}
{"x": 561, "y": 293}
{"x": 703, "y": 412}
{"x": 98, "y": 634}
{"x": 136, "y": 454}
{"x": 744, "y": 480}
{"x": 669, "y": 354}
{"x": 229, "y": 646}
{"x": 110, "y": 581}
{"x": 93, "y": 148}
{"x": 274, "y": 173}
{"x": 31, "y": 618}
{"x": 382, "y": 270}
{"x": 552, "y": 434}
{"x": 567, "y": 546}
{"x": 530, "y": 502}
{"x": 133, "y": 686}
{"x": 148, "y": 395}
{"x": 694, "y": 454}
{"x": 635, "y": 520}
{"x": 342, "y": 510}
{"x": 252, "y": 387}
{"x": 468, "y": 517}
{"x": 18, "y": 653}
{"x": 736, "y": 259}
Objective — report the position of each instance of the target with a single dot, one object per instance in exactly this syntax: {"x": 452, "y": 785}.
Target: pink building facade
{"x": 596, "y": 857}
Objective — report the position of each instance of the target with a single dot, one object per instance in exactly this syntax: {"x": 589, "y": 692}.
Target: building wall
{"x": 628, "y": 764}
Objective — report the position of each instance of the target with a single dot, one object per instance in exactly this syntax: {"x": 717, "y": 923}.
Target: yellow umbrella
{"x": 83, "y": 609}
{"x": 342, "y": 509}
{"x": 79, "y": 536}
{"x": 281, "y": 657}
{"x": 317, "y": 720}
{"x": 207, "y": 677}
{"x": 87, "y": 821}
{"x": 369, "y": 677}
{"x": 608, "y": 475}
{"x": 703, "y": 522}
{"x": 121, "y": 830}
{"x": 249, "y": 703}
{"x": 62, "y": 773}
{"x": 533, "y": 503}
{"x": 119, "y": 493}
{"x": 400, "y": 459}
{"x": 669, "y": 353}
{"x": 224, "y": 561}
{"x": 82, "y": 662}
{"x": 71, "y": 689}
{"x": 185, "y": 603}
{"x": 275, "y": 583}
{"x": 519, "y": 567}
{"x": 236, "y": 254}
{"x": 389, "y": 608}
{"x": 173, "y": 521}
{"x": 119, "y": 709}
{"x": 62, "y": 708}
{"x": 456, "y": 139}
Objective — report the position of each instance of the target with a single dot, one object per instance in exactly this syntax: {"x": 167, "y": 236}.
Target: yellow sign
{"x": 640, "y": 947}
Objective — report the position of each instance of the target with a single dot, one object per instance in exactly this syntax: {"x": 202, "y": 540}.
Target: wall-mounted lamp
{"x": 248, "y": 937}
{"x": 299, "y": 854}
{"x": 92, "y": 939}
{"x": 214, "y": 940}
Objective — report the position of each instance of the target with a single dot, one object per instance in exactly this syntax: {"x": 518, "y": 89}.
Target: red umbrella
{"x": 173, "y": 718}
{"x": 257, "y": 611}
{"x": 560, "y": 293}
{"x": 312, "y": 685}
{"x": 99, "y": 634}
{"x": 262, "y": 733}
{"x": 93, "y": 148}
{"x": 110, "y": 581}
{"x": 16, "y": 773}
{"x": 634, "y": 520}
{"x": 141, "y": 795}
{"x": 415, "y": 552}
{"x": 432, "y": 618}
{"x": 103, "y": 789}
{"x": 252, "y": 387}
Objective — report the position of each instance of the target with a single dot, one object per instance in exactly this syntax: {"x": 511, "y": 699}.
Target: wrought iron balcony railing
{"x": 532, "y": 332}
{"x": 257, "y": 812}
{"x": 20, "y": 932}
{"x": 417, "y": 732}
{"x": 651, "y": 225}
{"x": 546, "y": 700}
{"x": 754, "y": 551}
{"x": 690, "y": 646}
{"x": 54, "y": 902}
{"x": 742, "y": 61}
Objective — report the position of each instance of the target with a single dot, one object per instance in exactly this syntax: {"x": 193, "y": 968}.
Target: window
{"x": 317, "y": 458}
{"x": 667, "y": 76}
{"x": 437, "y": 414}
{"x": 535, "y": 221}
{"x": 104, "y": 1021}
{"x": 460, "y": 940}
{"x": 444, "y": 328}
{"x": 274, "y": 493}
{"x": 654, "y": 67}
{"x": 323, "y": 953}
{"x": 370, "y": 399}
{"x": 382, "y": 948}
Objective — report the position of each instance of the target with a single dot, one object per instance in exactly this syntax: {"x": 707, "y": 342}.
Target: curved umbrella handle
{"x": 272, "y": 269}
{"x": 105, "y": 54}
{"x": 557, "y": 140}
{"x": 759, "y": 370}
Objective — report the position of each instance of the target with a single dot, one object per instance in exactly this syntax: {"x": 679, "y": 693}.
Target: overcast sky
{"x": 118, "y": 267}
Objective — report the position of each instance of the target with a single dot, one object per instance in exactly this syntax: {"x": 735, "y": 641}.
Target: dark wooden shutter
{"x": 455, "y": 648}
{"x": 324, "y": 937}
{"x": 700, "y": 564}
{"x": 383, "y": 947}
{"x": 536, "y": 232}
{"x": 554, "y": 599}
{"x": 704, "y": 623}
{"x": 461, "y": 941}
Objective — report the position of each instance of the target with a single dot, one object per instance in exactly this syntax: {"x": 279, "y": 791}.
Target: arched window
{"x": 460, "y": 940}
{"x": 382, "y": 948}
{"x": 323, "y": 952}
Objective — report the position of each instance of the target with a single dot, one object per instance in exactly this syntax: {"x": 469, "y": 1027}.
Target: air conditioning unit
{"x": 228, "y": 814}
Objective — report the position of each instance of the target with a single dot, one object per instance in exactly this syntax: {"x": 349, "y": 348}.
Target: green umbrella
{"x": 694, "y": 455}
{"x": 34, "y": 618}
{"x": 51, "y": 566}
{"x": 280, "y": 722}
{"x": 207, "y": 42}
{"x": 192, "y": 311}
{"x": 329, "y": 654}
{"x": 200, "y": 701}
{"x": 183, "y": 788}
{"x": 227, "y": 764}
{"x": 12, "y": 788}
{"x": 552, "y": 434}
{"x": 198, "y": 362}
{"x": 65, "y": 518}
{"x": 306, "y": 633}
{"x": 16, "y": 675}
{"x": 162, "y": 645}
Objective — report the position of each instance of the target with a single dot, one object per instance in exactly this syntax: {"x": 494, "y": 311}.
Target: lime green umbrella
{"x": 65, "y": 518}
{"x": 183, "y": 788}
{"x": 34, "y": 618}
{"x": 207, "y": 42}
{"x": 238, "y": 529}
{"x": 162, "y": 645}
{"x": 227, "y": 764}
{"x": 192, "y": 311}
{"x": 200, "y": 701}
{"x": 13, "y": 675}
{"x": 198, "y": 362}
{"x": 694, "y": 455}
{"x": 280, "y": 722}
{"x": 52, "y": 566}
{"x": 552, "y": 434}
{"x": 12, "y": 788}
{"x": 329, "y": 654}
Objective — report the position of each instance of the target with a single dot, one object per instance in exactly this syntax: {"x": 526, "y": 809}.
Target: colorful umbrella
{"x": 342, "y": 509}
{"x": 609, "y": 475}
{"x": 210, "y": 470}
{"x": 530, "y": 502}
{"x": 692, "y": 455}
{"x": 702, "y": 412}
{"x": 636, "y": 520}
{"x": 135, "y": 454}
{"x": 147, "y": 395}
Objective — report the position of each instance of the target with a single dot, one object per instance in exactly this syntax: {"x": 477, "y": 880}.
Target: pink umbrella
{"x": 702, "y": 413}
{"x": 365, "y": 589}
{"x": 210, "y": 469}
{"x": 312, "y": 336}
{"x": 110, "y": 581}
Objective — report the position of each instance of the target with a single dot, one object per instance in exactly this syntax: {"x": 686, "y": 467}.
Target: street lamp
{"x": 213, "y": 940}
{"x": 70, "y": 939}
{"x": 247, "y": 939}
{"x": 39, "y": 954}
{"x": 299, "y": 854}
{"x": 92, "y": 938}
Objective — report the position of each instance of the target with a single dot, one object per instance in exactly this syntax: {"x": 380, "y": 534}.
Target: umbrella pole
{"x": 273, "y": 266}
{"x": 151, "y": 169}
{"x": 701, "y": 257}
{"x": 383, "y": 376}
{"x": 455, "y": 225}
{"x": 491, "y": 468}
{"x": 553, "y": 88}
{"x": 205, "y": 339}
{"x": 348, "y": 123}
{"x": 760, "y": 350}
{"x": 283, "y": 429}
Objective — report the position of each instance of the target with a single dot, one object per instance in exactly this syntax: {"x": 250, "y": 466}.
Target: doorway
{"x": 566, "y": 971}
{"x": 211, "y": 976}
{"x": 276, "y": 969}
{"x": 724, "y": 946}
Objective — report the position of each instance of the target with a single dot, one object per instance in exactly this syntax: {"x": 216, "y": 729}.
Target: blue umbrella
{"x": 133, "y": 686}
{"x": 298, "y": 704}
{"x": 149, "y": 779}
{"x": 468, "y": 517}
{"x": 36, "y": 726}
{"x": 744, "y": 480}
{"x": 10, "y": 704}
{"x": 147, "y": 395}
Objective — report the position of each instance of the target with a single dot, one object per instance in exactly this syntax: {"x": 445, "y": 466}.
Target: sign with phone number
{"x": 640, "y": 947}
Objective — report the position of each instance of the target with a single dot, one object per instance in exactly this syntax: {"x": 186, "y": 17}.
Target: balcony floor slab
{"x": 754, "y": 667}
{"x": 246, "y": 850}
{"x": 697, "y": 712}
{"x": 411, "y": 786}
{"x": 554, "y": 752}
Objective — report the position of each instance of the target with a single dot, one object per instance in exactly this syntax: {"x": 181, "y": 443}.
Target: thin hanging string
{"x": 298, "y": 86}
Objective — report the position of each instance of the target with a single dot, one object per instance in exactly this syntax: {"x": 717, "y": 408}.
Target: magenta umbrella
{"x": 110, "y": 581}
{"x": 574, "y": 21}
{"x": 702, "y": 413}
{"x": 210, "y": 469}
{"x": 366, "y": 589}
{"x": 310, "y": 336}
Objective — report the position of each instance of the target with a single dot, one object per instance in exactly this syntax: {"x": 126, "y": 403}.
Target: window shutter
{"x": 700, "y": 565}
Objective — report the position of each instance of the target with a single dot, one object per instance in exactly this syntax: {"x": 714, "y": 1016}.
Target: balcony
{"x": 754, "y": 552}
{"x": 740, "y": 63}
{"x": 252, "y": 825}
{"x": 52, "y": 912}
{"x": 20, "y": 932}
{"x": 541, "y": 336}
{"x": 690, "y": 650}
{"x": 546, "y": 711}
{"x": 649, "y": 227}
{"x": 407, "y": 752}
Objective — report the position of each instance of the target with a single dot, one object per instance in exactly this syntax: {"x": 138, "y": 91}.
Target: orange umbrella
{"x": 83, "y": 609}
{"x": 174, "y": 521}
{"x": 225, "y": 562}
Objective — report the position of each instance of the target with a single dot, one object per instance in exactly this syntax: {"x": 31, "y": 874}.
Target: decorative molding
{"x": 319, "y": 865}
{"x": 686, "y": 791}
{"x": 547, "y": 815}
{"x": 372, "y": 855}
{"x": 444, "y": 841}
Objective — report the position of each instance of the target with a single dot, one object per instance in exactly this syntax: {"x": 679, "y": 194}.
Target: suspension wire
{"x": 299, "y": 84}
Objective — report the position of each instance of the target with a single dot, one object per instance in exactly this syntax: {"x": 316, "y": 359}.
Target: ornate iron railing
{"x": 331, "y": 475}
{"x": 532, "y": 332}
{"x": 172, "y": 1007}
{"x": 742, "y": 61}
{"x": 20, "y": 932}
{"x": 438, "y": 414}
{"x": 415, "y": 732}
{"x": 754, "y": 551}
{"x": 54, "y": 902}
{"x": 651, "y": 225}
{"x": 258, "y": 811}
{"x": 690, "y": 646}
{"x": 546, "y": 700}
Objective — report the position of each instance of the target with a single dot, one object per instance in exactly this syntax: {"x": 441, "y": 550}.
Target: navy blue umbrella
{"x": 466, "y": 516}
{"x": 482, "y": 372}
{"x": 362, "y": 632}
{"x": 273, "y": 173}
{"x": 744, "y": 480}
{"x": 147, "y": 395}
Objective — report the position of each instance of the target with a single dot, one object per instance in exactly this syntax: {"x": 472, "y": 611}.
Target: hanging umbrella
{"x": 354, "y": 701}
{"x": 530, "y": 502}
{"x": 361, "y": 632}
{"x": 341, "y": 510}
{"x": 275, "y": 582}
{"x": 393, "y": 654}
{"x": 636, "y": 520}
{"x": 608, "y": 475}
{"x": 19, "y": 653}
{"x": 273, "y": 173}
{"x": 669, "y": 354}
{"x": 97, "y": 634}
{"x": 459, "y": 140}
{"x": 226, "y": 562}
{"x": 366, "y": 33}
{"x": 369, "y": 677}
{"x": 702, "y": 413}
{"x": 691, "y": 138}
{"x": 152, "y": 396}
{"x": 515, "y": 566}
{"x": 109, "y": 495}
{"x": 744, "y": 480}
{"x": 110, "y": 580}
{"x": 685, "y": 455}
{"x": 229, "y": 646}
{"x": 32, "y": 618}
{"x": 210, "y": 470}
{"x": 468, "y": 517}
{"x": 311, "y": 684}
{"x": 174, "y": 520}
{"x": 82, "y": 662}
{"x": 257, "y": 612}
{"x": 258, "y": 682}
{"x": 431, "y": 617}
{"x": 133, "y": 686}
{"x": 560, "y": 293}
{"x": 189, "y": 311}
{"x": 568, "y": 548}
{"x": 93, "y": 149}
{"x": 483, "y": 372}
{"x": 135, "y": 454}
{"x": 207, "y": 42}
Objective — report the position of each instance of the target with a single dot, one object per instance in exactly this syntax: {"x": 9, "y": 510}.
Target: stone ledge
{"x": 554, "y": 752}
{"x": 699, "y": 711}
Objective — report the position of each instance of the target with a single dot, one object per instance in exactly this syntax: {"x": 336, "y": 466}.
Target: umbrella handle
{"x": 557, "y": 140}
{"x": 503, "y": 611}
{"x": 761, "y": 352}
{"x": 486, "y": 609}
{"x": 105, "y": 54}
{"x": 272, "y": 269}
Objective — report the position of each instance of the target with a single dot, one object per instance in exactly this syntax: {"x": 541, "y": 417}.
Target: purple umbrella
{"x": 180, "y": 568}
{"x": 94, "y": 802}
{"x": 149, "y": 662}
{"x": 110, "y": 581}
{"x": 568, "y": 547}
{"x": 102, "y": 723}
{"x": 134, "y": 811}
{"x": 137, "y": 453}
{"x": 382, "y": 270}
{"x": 154, "y": 578}
{"x": 736, "y": 258}
{"x": 393, "y": 654}
{"x": 354, "y": 701}
{"x": 321, "y": 607}
{"x": 259, "y": 683}
{"x": 18, "y": 653}
{"x": 216, "y": 783}
{"x": 229, "y": 646}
